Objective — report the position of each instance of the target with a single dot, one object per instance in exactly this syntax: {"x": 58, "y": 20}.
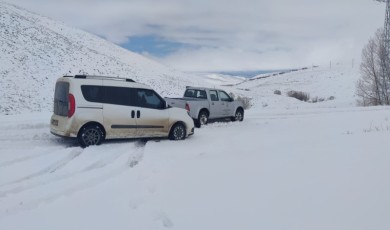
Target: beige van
{"x": 95, "y": 108}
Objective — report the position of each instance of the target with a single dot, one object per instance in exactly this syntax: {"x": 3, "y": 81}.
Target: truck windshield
{"x": 195, "y": 93}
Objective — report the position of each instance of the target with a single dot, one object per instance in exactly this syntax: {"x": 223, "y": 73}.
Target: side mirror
{"x": 231, "y": 99}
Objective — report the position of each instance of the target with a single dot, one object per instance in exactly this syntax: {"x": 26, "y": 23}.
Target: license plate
{"x": 54, "y": 122}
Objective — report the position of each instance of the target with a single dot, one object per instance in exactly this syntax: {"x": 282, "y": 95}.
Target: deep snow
{"x": 306, "y": 169}
{"x": 288, "y": 165}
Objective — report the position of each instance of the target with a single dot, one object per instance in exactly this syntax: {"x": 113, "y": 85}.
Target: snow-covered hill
{"x": 289, "y": 165}
{"x": 337, "y": 83}
{"x": 36, "y": 50}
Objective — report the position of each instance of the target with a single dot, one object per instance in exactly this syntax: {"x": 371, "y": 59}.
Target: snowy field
{"x": 290, "y": 165}
{"x": 279, "y": 169}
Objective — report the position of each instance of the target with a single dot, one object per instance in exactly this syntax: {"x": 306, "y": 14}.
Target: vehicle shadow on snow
{"x": 66, "y": 142}
{"x": 221, "y": 120}
{"x": 72, "y": 142}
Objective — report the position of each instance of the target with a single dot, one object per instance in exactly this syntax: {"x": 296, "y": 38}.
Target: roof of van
{"x": 116, "y": 79}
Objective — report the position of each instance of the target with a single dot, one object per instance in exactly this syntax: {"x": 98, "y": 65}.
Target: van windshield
{"x": 61, "y": 99}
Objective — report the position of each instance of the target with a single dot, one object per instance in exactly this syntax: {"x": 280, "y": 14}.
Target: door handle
{"x": 132, "y": 114}
{"x": 138, "y": 114}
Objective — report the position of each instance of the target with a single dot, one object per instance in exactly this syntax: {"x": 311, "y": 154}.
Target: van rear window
{"x": 61, "y": 99}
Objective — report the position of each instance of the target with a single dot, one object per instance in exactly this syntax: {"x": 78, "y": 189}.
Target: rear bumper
{"x": 60, "y": 134}
{"x": 62, "y": 126}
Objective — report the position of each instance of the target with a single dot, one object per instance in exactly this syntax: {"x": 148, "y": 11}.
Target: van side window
{"x": 108, "y": 94}
{"x": 93, "y": 93}
{"x": 149, "y": 99}
{"x": 118, "y": 96}
{"x": 213, "y": 95}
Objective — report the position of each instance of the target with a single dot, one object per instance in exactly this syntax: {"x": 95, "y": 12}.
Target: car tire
{"x": 178, "y": 132}
{"x": 203, "y": 119}
{"x": 90, "y": 135}
{"x": 239, "y": 115}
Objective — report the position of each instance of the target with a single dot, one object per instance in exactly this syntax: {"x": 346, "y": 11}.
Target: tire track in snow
{"x": 130, "y": 160}
{"x": 51, "y": 169}
{"x": 22, "y": 159}
{"x": 98, "y": 164}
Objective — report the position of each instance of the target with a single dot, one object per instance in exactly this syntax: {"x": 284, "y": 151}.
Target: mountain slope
{"x": 337, "y": 83}
{"x": 37, "y": 50}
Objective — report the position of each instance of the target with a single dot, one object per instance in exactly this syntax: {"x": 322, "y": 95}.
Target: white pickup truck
{"x": 205, "y": 103}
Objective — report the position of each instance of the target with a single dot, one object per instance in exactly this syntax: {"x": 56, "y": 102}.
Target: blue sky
{"x": 220, "y": 35}
{"x": 153, "y": 45}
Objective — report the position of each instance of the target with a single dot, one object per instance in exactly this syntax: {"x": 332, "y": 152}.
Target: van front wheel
{"x": 90, "y": 135}
{"x": 178, "y": 132}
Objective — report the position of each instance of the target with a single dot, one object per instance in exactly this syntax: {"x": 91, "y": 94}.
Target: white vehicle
{"x": 205, "y": 103}
{"x": 95, "y": 108}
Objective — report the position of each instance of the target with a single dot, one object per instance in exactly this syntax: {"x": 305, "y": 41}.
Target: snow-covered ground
{"x": 288, "y": 165}
{"x": 279, "y": 169}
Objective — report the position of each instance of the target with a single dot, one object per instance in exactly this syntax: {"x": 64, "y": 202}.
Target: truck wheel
{"x": 90, "y": 135}
{"x": 203, "y": 118}
{"x": 239, "y": 116}
{"x": 197, "y": 123}
{"x": 178, "y": 132}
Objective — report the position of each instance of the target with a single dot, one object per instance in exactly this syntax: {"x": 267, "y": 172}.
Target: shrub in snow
{"x": 314, "y": 100}
{"x": 302, "y": 96}
{"x": 277, "y": 92}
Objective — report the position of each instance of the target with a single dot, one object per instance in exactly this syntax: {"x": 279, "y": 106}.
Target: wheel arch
{"x": 170, "y": 134}
{"x": 204, "y": 110}
{"x": 240, "y": 108}
{"x": 92, "y": 123}
{"x": 175, "y": 123}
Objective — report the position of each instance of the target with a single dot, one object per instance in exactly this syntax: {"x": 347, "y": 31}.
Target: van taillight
{"x": 71, "y": 105}
{"x": 187, "y": 107}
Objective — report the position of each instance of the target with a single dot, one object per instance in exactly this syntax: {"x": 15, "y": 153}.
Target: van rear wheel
{"x": 90, "y": 135}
